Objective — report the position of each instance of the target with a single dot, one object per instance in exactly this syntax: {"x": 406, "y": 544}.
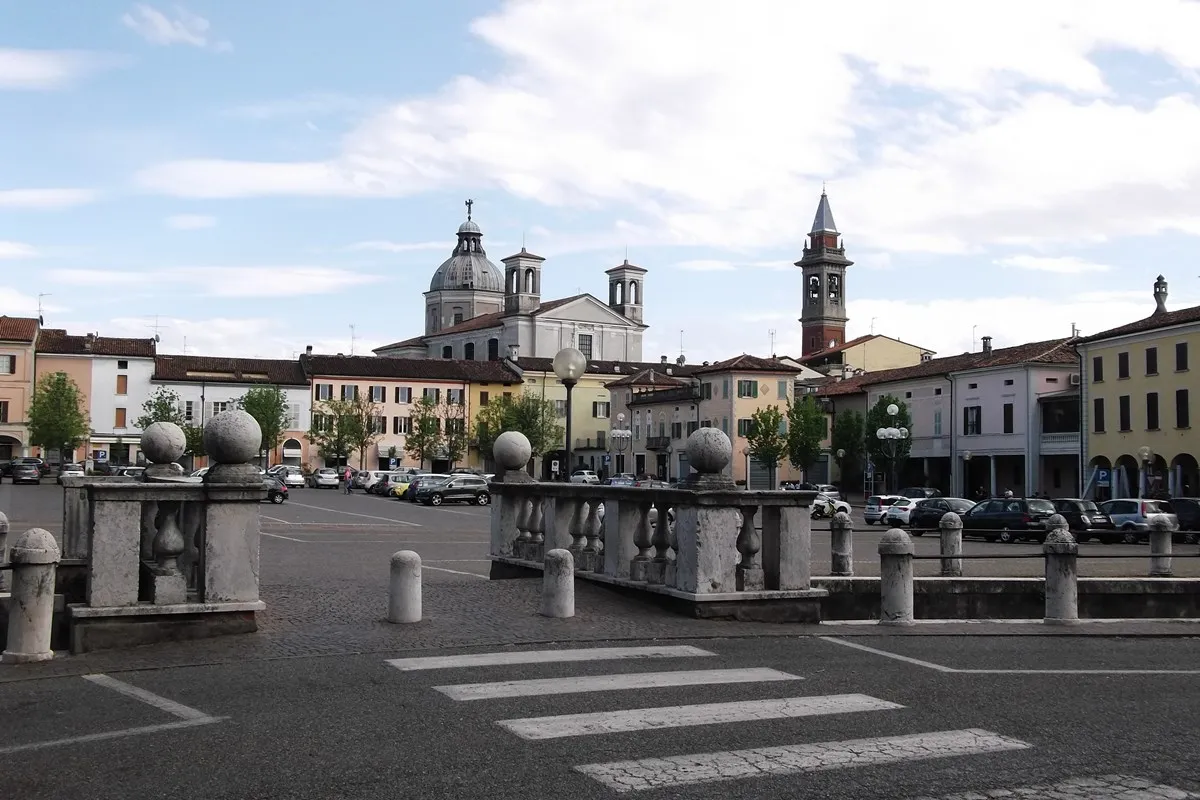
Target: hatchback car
{"x": 927, "y": 514}
{"x": 291, "y": 477}
{"x": 1009, "y": 519}
{"x": 898, "y": 512}
{"x": 1132, "y": 517}
{"x": 584, "y": 476}
{"x": 1086, "y": 520}
{"x": 877, "y": 506}
{"x": 325, "y": 478}
{"x": 25, "y": 472}
{"x": 276, "y": 491}
{"x": 455, "y": 489}
{"x": 70, "y": 471}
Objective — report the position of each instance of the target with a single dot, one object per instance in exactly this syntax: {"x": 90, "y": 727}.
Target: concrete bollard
{"x": 952, "y": 548}
{"x": 1160, "y": 548}
{"x": 1062, "y": 576}
{"x": 558, "y": 585}
{"x": 5, "y": 578}
{"x": 31, "y": 608}
{"x": 896, "y": 578}
{"x": 841, "y": 544}
{"x": 404, "y": 589}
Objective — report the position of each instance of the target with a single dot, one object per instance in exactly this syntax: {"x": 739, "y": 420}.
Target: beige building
{"x": 17, "y": 336}
{"x": 866, "y": 354}
{"x": 659, "y": 407}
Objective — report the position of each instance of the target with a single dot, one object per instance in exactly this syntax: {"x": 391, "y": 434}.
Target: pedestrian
{"x": 346, "y": 478}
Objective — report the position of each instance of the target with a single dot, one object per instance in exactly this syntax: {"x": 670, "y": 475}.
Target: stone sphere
{"x": 232, "y": 437}
{"x": 709, "y": 450}
{"x": 163, "y": 443}
{"x": 511, "y": 450}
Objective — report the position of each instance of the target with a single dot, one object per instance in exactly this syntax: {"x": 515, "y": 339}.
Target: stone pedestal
{"x": 786, "y": 547}
{"x": 167, "y": 586}
{"x": 231, "y": 544}
{"x": 115, "y": 538}
{"x": 504, "y": 524}
{"x": 621, "y": 520}
{"x": 706, "y": 564}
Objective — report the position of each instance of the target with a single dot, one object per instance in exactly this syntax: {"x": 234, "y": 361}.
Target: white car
{"x": 877, "y": 506}
{"x": 584, "y": 476}
{"x": 292, "y": 477}
{"x": 898, "y": 513}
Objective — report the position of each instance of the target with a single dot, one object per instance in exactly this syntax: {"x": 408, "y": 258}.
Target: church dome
{"x": 469, "y": 227}
{"x": 468, "y": 266}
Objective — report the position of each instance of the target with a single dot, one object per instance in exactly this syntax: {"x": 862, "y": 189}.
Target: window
{"x": 676, "y": 430}
{"x": 706, "y": 391}
{"x": 1122, "y": 366}
{"x": 560, "y": 408}
{"x": 493, "y": 349}
{"x": 401, "y": 425}
{"x": 600, "y": 410}
{"x": 744, "y": 426}
{"x": 937, "y": 390}
{"x": 725, "y": 389}
{"x": 908, "y": 395}
{"x": 119, "y": 422}
{"x": 585, "y": 345}
{"x": 454, "y": 396}
{"x": 220, "y": 407}
{"x": 122, "y": 364}
{"x": 725, "y": 425}
{"x": 782, "y": 392}
{"x": 1008, "y": 381}
{"x": 1151, "y": 411}
{"x": 378, "y": 394}
{"x": 1182, "y": 417}
{"x": 706, "y": 423}
{"x": 662, "y": 429}
{"x": 3, "y": 411}
{"x": 448, "y": 351}
{"x": 8, "y": 365}
{"x": 349, "y": 391}
{"x": 458, "y": 317}
{"x": 378, "y": 424}
{"x": 455, "y": 425}
{"x": 971, "y": 420}
{"x": 293, "y": 417}
{"x": 1180, "y": 357}
{"x": 937, "y": 422}
{"x": 122, "y": 384}
{"x": 483, "y": 399}
{"x": 469, "y": 351}
{"x": 1098, "y": 415}
{"x": 1123, "y": 412}
{"x": 318, "y": 422}
{"x": 1008, "y": 417}
{"x": 972, "y": 385}
{"x": 403, "y": 394}
{"x": 692, "y": 426}
{"x": 508, "y": 395}
{"x": 1152, "y": 361}
{"x": 324, "y": 391}
{"x": 434, "y": 395}
{"x": 747, "y": 388}
{"x": 1098, "y": 369}
{"x": 1051, "y": 380}
{"x": 783, "y": 426}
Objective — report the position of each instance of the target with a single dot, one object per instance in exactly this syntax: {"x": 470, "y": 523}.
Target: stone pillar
{"x": 787, "y": 547}
{"x": 621, "y": 522}
{"x": 5, "y": 578}
{"x": 35, "y": 558}
{"x": 1062, "y": 577}
{"x": 559, "y": 513}
{"x": 895, "y": 578}
{"x": 558, "y": 585}
{"x": 163, "y": 443}
{"x": 749, "y": 544}
{"x": 234, "y": 489}
{"x": 951, "y": 528}
{"x": 76, "y": 519}
{"x": 1160, "y": 548}
{"x": 511, "y": 452}
{"x": 706, "y": 554}
{"x": 992, "y": 469}
{"x": 404, "y": 588}
{"x": 841, "y": 544}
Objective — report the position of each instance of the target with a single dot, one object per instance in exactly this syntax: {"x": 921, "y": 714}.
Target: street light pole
{"x": 621, "y": 437}
{"x": 1145, "y": 455}
{"x": 569, "y": 364}
{"x": 890, "y": 439}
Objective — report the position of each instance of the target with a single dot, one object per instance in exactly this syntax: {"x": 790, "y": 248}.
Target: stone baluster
{"x": 524, "y": 537}
{"x": 601, "y": 542}
{"x": 168, "y": 583}
{"x": 163, "y": 443}
{"x": 591, "y": 531}
{"x": 672, "y": 558}
{"x": 656, "y": 570}
{"x": 749, "y": 543}
{"x": 577, "y": 526}
{"x": 537, "y": 528}
{"x": 643, "y": 540}
{"x": 511, "y": 452}
{"x": 5, "y": 577}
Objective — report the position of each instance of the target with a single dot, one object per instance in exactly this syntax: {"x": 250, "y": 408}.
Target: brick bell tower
{"x": 823, "y": 319}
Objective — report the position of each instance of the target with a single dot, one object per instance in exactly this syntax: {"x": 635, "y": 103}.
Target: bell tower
{"x": 823, "y": 319}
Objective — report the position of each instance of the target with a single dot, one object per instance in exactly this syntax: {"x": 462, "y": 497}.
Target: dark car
{"x": 455, "y": 489}
{"x": 1188, "y": 511}
{"x": 276, "y": 491}
{"x": 410, "y": 494}
{"x": 8, "y": 467}
{"x": 919, "y": 492}
{"x": 25, "y": 472}
{"x": 927, "y": 515}
{"x": 1009, "y": 519}
{"x": 1086, "y": 520}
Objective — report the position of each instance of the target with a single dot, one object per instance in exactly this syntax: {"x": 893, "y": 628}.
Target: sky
{"x": 252, "y": 178}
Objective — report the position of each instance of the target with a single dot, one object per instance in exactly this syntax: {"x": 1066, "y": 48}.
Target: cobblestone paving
{"x": 1102, "y": 787}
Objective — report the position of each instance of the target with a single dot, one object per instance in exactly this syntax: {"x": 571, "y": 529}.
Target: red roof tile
{"x": 1150, "y": 323}
{"x": 56, "y": 341}
{"x": 747, "y": 363}
{"x": 18, "y": 329}
{"x": 653, "y": 376}
{"x": 432, "y": 369}
{"x": 197, "y": 369}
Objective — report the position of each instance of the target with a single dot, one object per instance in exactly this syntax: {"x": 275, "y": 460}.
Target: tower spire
{"x": 823, "y": 221}
{"x": 824, "y": 264}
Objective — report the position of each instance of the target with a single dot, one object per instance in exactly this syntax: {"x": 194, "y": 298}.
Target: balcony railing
{"x": 598, "y": 443}
{"x": 1060, "y": 441}
{"x": 658, "y": 442}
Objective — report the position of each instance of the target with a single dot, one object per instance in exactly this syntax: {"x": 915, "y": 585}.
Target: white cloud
{"x": 706, "y": 265}
{"x": 190, "y": 222}
{"x": 316, "y": 104}
{"x": 183, "y": 27}
{"x": 231, "y": 282}
{"x": 18, "y": 304}
{"x": 44, "y": 69}
{"x": 17, "y": 250}
{"x": 249, "y": 337}
{"x": 1065, "y": 265}
{"x": 45, "y": 199}
{"x": 399, "y": 247}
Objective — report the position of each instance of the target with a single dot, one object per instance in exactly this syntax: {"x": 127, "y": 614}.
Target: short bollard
{"x": 951, "y": 532}
{"x": 1062, "y": 576}
{"x": 31, "y": 608}
{"x": 841, "y": 544}
{"x": 5, "y": 579}
{"x": 1160, "y": 548}
{"x": 896, "y": 578}
{"x": 404, "y": 590}
{"x": 558, "y": 585}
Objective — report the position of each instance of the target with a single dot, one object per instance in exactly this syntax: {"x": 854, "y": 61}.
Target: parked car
{"x": 826, "y": 505}
{"x": 277, "y": 492}
{"x": 291, "y": 477}
{"x": 458, "y": 488}
{"x": 920, "y": 492}
{"x": 325, "y": 478}
{"x": 367, "y": 478}
{"x": 1086, "y": 520}
{"x": 1009, "y": 519}
{"x": 1132, "y": 517}
{"x": 927, "y": 514}
{"x": 383, "y": 486}
{"x": 8, "y": 467}
{"x": 71, "y": 471}
{"x": 584, "y": 476}
{"x": 410, "y": 493}
{"x": 1187, "y": 509}
{"x": 25, "y": 472}
{"x": 877, "y": 506}
{"x": 897, "y": 515}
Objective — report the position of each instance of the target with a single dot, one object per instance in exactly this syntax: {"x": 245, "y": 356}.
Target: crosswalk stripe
{"x": 655, "y": 773}
{"x": 1099, "y": 787}
{"x": 640, "y": 719}
{"x": 603, "y": 683}
{"x": 546, "y": 657}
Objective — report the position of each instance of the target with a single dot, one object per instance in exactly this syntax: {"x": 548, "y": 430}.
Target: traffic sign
{"x": 392, "y": 463}
{"x": 607, "y": 458}
{"x": 1103, "y": 478}
{"x": 554, "y": 466}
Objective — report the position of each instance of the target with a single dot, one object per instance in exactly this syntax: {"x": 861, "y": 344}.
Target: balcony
{"x": 1060, "y": 443}
{"x": 658, "y": 442}
{"x": 597, "y": 443}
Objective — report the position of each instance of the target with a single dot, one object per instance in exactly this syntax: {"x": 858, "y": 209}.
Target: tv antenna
{"x": 873, "y": 325}
{"x": 41, "y": 319}
{"x": 353, "y": 338}
{"x": 185, "y": 345}
{"x": 973, "y": 327}
{"x": 771, "y": 334}
{"x": 156, "y": 327}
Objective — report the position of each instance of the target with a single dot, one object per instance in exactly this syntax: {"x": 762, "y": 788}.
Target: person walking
{"x": 346, "y": 478}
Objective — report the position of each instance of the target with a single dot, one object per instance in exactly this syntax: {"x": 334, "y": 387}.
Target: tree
{"x": 368, "y": 426}
{"x": 537, "y": 418}
{"x": 425, "y": 440}
{"x": 195, "y": 440}
{"x": 334, "y": 429}
{"x": 57, "y": 421}
{"x": 847, "y": 437}
{"x": 162, "y": 406}
{"x": 767, "y": 442}
{"x": 269, "y": 407}
{"x": 891, "y": 453}
{"x": 454, "y": 440}
{"x": 806, "y": 430}
{"x": 490, "y": 421}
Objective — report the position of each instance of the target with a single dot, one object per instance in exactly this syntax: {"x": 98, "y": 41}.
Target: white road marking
{"x": 276, "y": 519}
{"x": 546, "y": 657}
{"x": 885, "y": 654}
{"x": 642, "y": 719}
{"x": 149, "y": 698}
{"x": 1099, "y": 787}
{"x": 99, "y": 737}
{"x": 606, "y": 683}
{"x": 655, "y": 773}
{"x": 454, "y": 571}
{"x": 278, "y": 536}
{"x": 459, "y": 561}
{"x": 354, "y": 514}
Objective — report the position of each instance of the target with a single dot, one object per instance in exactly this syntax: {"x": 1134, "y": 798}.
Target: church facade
{"x": 474, "y": 311}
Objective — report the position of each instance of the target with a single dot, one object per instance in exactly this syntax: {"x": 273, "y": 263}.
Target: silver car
{"x": 1132, "y": 517}
{"x": 325, "y": 478}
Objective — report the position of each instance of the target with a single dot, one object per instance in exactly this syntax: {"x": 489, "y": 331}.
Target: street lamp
{"x": 569, "y": 365}
{"x": 1145, "y": 455}
{"x": 621, "y": 437}
{"x": 966, "y": 473}
{"x": 890, "y": 439}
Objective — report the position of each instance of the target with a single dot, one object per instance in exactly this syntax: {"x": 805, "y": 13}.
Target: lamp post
{"x": 621, "y": 437}
{"x": 890, "y": 439}
{"x": 966, "y": 473}
{"x": 1145, "y": 455}
{"x": 569, "y": 365}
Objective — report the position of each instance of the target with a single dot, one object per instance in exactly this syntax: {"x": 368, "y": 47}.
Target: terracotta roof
{"x": 432, "y": 369}
{"x": 18, "y": 329}
{"x": 1054, "y": 351}
{"x": 197, "y": 369}
{"x": 611, "y": 367}
{"x": 654, "y": 376}
{"x": 416, "y": 341}
{"x": 56, "y": 341}
{"x": 678, "y": 394}
{"x": 746, "y": 363}
{"x": 1153, "y": 322}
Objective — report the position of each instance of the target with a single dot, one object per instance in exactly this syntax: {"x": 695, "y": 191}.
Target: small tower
{"x": 1160, "y": 296}
{"x": 626, "y": 283}
{"x": 824, "y": 263}
{"x": 522, "y": 283}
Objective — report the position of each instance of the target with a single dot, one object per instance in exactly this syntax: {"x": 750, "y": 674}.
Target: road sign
{"x": 100, "y": 455}
{"x": 1103, "y": 478}
{"x": 554, "y": 466}
{"x": 607, "y": 458}
{"x": 391, "y": 463}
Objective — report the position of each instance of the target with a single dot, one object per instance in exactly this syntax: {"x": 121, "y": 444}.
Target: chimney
{"x": 88, "y": 341}
{"x": 1160, "y": 296}
{"x": 987, "y": 345}
{"x": 662, "y": 359}
{"x": 514, "y": 352}
{"x": 308, "y": 350}
{"x": 669, "y": 372}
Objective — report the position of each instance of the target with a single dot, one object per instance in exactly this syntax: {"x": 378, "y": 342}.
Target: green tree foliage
{"x": 195, "y": 440}
{"x": 806, "y": 430}
{"x": 881, "y": 451}
{"x": 335, "y": 429}
{"x": 162, "y": 406}
{"x": 269, "y": 407}
{"x": 529, "y": 413}
{"x": 425, "y": 441}
{"x": 455, "y": 433}
{"x": 767, "y": 441}
{"x": 57, "y": 420}
{"x": 848, "y": 436}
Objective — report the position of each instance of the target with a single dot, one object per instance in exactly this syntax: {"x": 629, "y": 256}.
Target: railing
{"x": 658, "y": 442}
{"x": 1060, "y": 439}
{"x": 598, "y": 443}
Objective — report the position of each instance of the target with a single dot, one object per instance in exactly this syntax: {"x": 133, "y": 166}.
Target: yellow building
{"x": 869, "y": 353}
{"x": 1137, "y": 385}
{"x": 17, "y": 335}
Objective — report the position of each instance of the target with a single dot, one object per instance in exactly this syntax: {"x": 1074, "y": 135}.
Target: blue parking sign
{"x": 1103, "y": 478}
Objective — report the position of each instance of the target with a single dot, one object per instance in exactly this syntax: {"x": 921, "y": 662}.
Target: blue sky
{"x": 261, "y": 176}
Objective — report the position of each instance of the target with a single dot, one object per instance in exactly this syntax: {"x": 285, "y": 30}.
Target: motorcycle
{"x": 823, "y": 507}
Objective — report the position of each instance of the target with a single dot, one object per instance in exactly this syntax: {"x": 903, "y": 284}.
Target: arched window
{"x": 835, "y": 289}
{"x": 448, "y": 351}
{"x": 814, "y": 288}
{"x": 529, "y": 281}
{"x": 634, "y": 293}
{"x": 617, "y": 293}
{"x": 493, "y": 349}
{"x": 469, "y": 351}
